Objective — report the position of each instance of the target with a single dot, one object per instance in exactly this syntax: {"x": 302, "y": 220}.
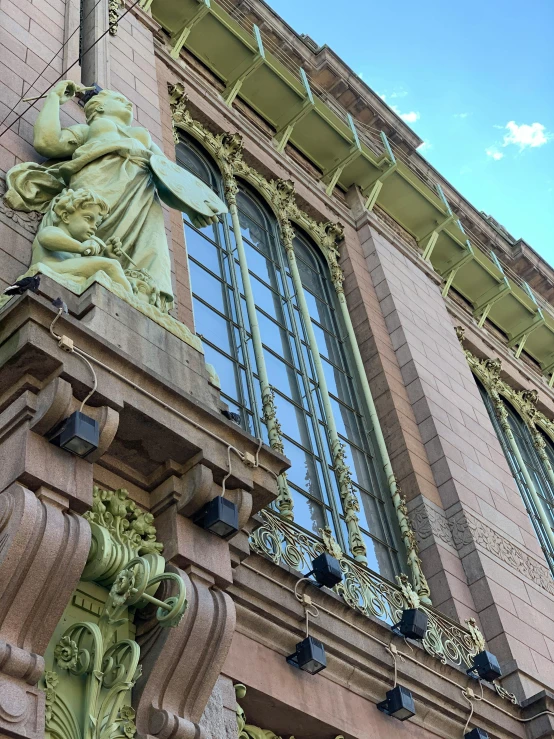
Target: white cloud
{"x": 494, "y": 153}
{"x": 361, "y": 75}
{"x": 410, "y": 117}
{"x": 399, "y": 93}
{"x": 425, "y": 146}
{"x": 527, "y": 135}
{"x": 461, "y": 115}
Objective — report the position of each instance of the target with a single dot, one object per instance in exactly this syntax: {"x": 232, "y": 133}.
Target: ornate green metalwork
{"x": 88, "y": 695}
{"x": 367, "y": 592}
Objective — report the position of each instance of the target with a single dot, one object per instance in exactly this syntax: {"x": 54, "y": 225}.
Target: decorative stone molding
{"x": 182, "y": 665}
{"x": 38, "y": 537}
{"x": 463, "y": 529}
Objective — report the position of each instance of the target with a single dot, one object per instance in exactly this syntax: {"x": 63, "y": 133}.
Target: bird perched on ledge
{"x": 21, "y": 286}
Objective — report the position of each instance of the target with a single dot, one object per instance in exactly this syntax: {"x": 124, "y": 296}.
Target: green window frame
{"x": 221, "y": 319}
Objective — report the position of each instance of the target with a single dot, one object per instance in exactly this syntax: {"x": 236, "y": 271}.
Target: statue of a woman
{"x": 109, "y": 159}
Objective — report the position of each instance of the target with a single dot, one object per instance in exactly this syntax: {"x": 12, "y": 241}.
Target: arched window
{"x": 289, "y": 358}
{"x": 533, "y": 466}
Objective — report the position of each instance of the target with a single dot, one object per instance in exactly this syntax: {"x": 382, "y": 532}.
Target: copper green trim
{"x": 349, "y": 500}
{"x": 488, "y": 372}
{"x": 179, "y": 39}
{"x": 420, "y": 583}
{"x": 284, "y": 502}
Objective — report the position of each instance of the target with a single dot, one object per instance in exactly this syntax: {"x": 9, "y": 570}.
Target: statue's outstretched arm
{"x": 50, "y": 140}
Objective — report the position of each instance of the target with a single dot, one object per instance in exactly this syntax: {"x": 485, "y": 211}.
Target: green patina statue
{"x": 101, "y": 198}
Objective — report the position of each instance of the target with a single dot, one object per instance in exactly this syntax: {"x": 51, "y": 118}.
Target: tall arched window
{"x": 221, "y": 319}
{"x": 533, "y": 466}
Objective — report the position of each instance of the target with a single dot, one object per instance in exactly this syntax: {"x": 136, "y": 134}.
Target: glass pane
{"x": 264, "y": 268}
{"x": 207, "y": 287}
{"x": 214, "y": 328}
{"x": 338, "y": 383}
{"x": 371, "y": 514}
{"x": 305, "y": 471}
{"x": 307, "y": 513}
{"x": 227, "y": 371}
{"x": 347, "y": 423}
{"x": 285, "y": 379}
{"x": 191, "y": 160}
{"x": 267, "y": 300}
{"x": 359, "y": 467}
{"x": 295, "y": 422}
{"x": 202, "y": 250}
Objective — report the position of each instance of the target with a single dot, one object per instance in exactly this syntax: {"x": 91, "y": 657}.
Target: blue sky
{"x": 475, "y": 80}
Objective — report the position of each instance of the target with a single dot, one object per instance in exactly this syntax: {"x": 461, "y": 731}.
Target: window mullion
{"x": 284, "y": 500}
{"x": 349, "y": 500}
{"x": 503, "y": 419}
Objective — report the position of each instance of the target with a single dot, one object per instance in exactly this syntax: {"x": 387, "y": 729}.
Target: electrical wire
{"x": 49, "y": 64}
{"x": 62, "y": 75}
{"x": 151, "y": 396}
{"x": 387, "y": 645}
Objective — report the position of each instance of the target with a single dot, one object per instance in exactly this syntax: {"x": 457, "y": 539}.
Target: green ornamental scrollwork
{"x": 369, "y": 593}
{"x": 124, "y": 554}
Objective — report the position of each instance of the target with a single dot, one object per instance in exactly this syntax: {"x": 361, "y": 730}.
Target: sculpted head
{"x": 109, "y": 104}
{"x": 79, "y": 212}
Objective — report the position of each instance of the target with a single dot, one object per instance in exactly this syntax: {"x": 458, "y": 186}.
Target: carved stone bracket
{"x": 43, "y": 548}
{"x": 181, "y": 666}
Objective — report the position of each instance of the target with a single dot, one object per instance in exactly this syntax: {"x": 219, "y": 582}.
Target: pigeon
{"x": 59, "y": 304}
{"x": 21, "y": 286}
{"x": 234, "y": 417}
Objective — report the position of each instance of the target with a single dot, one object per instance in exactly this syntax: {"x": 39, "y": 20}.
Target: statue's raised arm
{"x": 104, "y": 189}
{"x": 50, "y": 140}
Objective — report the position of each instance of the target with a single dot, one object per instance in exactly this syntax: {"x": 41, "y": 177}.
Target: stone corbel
{"x": 43, "y": 549}
{"x": 194, "y": 489}
{"x": 56, "y": 402}
{"x": 182, "y": 665}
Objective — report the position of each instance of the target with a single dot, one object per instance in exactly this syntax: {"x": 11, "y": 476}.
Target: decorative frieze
{"x": 463, "y": 529}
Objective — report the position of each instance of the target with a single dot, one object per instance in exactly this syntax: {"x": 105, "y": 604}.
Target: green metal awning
{"x": 328, "y": 137}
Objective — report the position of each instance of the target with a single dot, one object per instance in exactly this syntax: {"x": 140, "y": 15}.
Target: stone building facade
{"x": 409, "y": 432}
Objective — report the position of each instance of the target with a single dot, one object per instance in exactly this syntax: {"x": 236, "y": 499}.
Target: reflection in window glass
{"x": 220, "y": 314}
{"x": 533, "y": 465}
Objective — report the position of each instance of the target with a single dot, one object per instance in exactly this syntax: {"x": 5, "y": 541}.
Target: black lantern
{"x": 486, "y": 666}
{"x": 78, "y": 434}
{"x": 309, "y": 656}
{"x": 476, "y": 734}
{"x": 326, "y": 570}
{"x": 399, "y": 703}
{"x": 413, "y": 624}
{"x": 220, "y": 516}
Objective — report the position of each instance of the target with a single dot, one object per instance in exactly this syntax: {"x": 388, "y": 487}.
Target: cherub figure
{"x": 68, "y": 241}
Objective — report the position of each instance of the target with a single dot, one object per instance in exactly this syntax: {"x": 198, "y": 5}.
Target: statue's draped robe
{"x": 119, "y": 172}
